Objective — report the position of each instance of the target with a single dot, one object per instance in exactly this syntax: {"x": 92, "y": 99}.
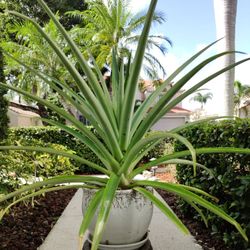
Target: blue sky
{"x": 188, "y": 23}
{"x": 192, "y": 22}
{"x": 190, "y": 26}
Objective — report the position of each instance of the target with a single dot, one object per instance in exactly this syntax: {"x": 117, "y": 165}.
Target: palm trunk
{"x": 225, "y": 18}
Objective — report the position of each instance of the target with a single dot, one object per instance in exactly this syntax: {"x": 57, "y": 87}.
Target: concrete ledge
{"x": 163, "y": 233}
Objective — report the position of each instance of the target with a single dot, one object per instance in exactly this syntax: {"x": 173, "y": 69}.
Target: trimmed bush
{"x": 24, "y": 164}
{"x": 230, "y": 182}
{"x": 50, "y": 134}
{"x": 18, "y": 167}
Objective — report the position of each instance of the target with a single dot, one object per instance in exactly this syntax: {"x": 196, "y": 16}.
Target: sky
{"x": 190, "y": 25}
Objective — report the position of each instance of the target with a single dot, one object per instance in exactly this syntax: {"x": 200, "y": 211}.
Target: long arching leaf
{"x": 162, "y": 106}
{"x": 105, "y": 206}
{"x": 164, "y": 208}
{"x": 131, "y": 86}
{"x": 193, "y": 89}
{"x": 40, "y": 192}
{"x": 57, "y": 152}
{"x": 83, "y": 86}
{"x": 140, "y": 147}
{"x": 93, "y": 139}
{"x": 185, "y": 194}
{"x": 140, "y": 169}
{"x": 56, "y": 181}
{"x": 84, "y": 65}
{"x": 89, "y": 214}
{"x": 198, "y": 151}
{"x": 149, "y": 102}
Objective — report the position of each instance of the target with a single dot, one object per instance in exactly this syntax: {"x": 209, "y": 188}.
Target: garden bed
{"x": 26, "y": 227}
{"x": 202, "y": 234}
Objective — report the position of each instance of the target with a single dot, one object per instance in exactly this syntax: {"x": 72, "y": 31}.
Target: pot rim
{"x": 120, "y": 191}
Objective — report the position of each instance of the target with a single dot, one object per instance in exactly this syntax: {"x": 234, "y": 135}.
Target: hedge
{"x": 51, "y": 134}
{"x": 231, "y": 182}
{"x": 20, "y": 167}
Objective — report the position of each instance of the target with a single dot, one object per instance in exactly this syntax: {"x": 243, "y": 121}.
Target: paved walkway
{"x": 163, "y": 233}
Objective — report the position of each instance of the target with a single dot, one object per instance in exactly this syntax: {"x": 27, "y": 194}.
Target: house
{"x": 176, "y": 117}
{"x": 20, "y": 116}
{"x": 244, "y": 108}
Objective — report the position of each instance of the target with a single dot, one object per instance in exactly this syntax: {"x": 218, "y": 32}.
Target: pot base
{"x": 143, "y": 244}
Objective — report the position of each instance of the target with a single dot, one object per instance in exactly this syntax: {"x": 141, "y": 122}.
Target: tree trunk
{"x": 225, "y": 19}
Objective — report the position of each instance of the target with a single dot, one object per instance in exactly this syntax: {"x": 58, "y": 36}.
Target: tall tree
{"x": 225, "y": 18}
{"x": 33, "y": 9}
{"x": 30, "y": 48}
{"x": 202, "y": 98}
{"x": 23, "y": 41}
{"x": 111, "y": 24}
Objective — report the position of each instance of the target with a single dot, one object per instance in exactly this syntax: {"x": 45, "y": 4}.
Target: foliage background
{"x": 54, "y": 135}
{"x": 32, "y": 9}
{"x": 229, "y": 171}
{"x": 21, "y": 167}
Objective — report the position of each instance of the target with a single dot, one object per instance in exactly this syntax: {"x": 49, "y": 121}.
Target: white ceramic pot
{"x": 129, "y": 217}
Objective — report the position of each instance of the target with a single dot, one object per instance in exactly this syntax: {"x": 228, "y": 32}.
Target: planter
{"x": 129, "y": 217}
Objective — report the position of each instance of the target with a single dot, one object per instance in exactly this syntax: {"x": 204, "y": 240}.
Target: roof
{"x": 179, "y": 110}
{"x": 245, "y": 102}
{"x": 23, "y": 112}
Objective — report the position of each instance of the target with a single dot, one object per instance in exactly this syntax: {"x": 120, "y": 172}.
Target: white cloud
{"x": 138, "y": 5}
{"x": 135, "y": 5}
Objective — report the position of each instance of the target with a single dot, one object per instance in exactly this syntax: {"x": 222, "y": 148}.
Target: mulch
{"x": 198, "y": 229}
{"x": 26, "y": 227}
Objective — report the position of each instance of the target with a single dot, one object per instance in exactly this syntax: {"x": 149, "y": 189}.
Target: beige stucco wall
{"x": 169, "y": 122}
{"x": 20, "y": 120}
{"x": 13, "y": 118}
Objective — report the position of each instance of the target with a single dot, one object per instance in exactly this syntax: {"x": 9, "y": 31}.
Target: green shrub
{"x": 229, "y": 184}
{"x": 55, "y": 135}
{"x": 24, "y": 164}
{"x": 50, "y": 134}
{"x": 18, "y": 167}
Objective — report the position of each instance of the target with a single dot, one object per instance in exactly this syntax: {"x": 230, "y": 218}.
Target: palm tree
{"x": 202, "y": 98}
{"x": 29, "y": 47}
{"x": 241, "y": 92}
{"x": 225, "y": 18}
{"x": 113, "y": 25}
